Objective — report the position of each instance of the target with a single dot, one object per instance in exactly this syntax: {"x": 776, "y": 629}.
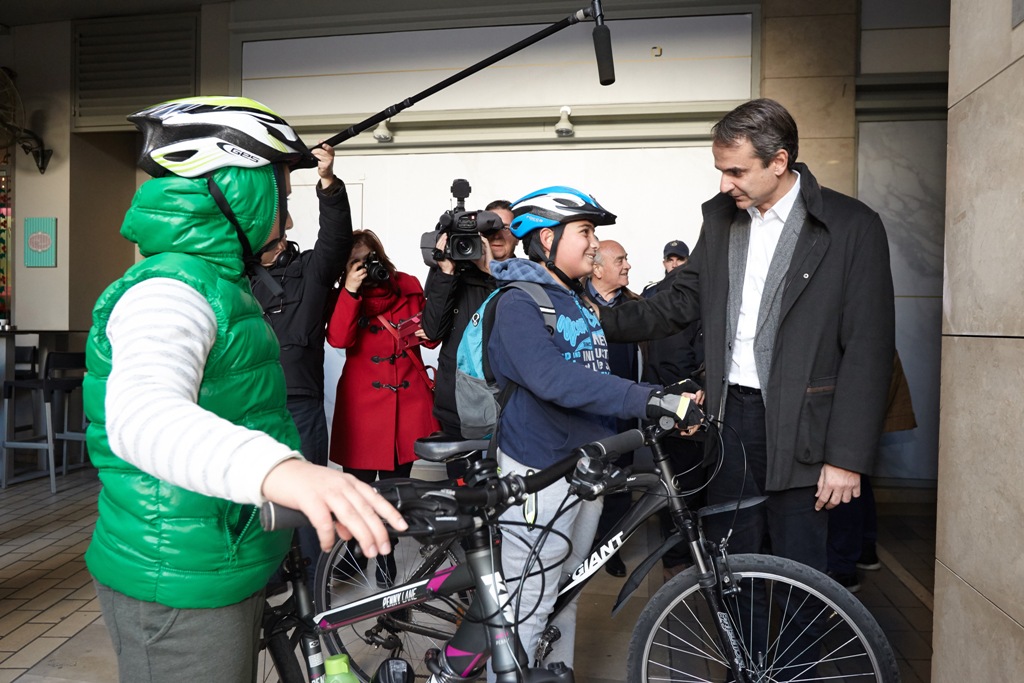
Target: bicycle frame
{"x": 487, "y": 627}
{"x": 713, "y": 570}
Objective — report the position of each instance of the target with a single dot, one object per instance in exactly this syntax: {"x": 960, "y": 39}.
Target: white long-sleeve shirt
{"x": 161, "y": 332}
{"x": 765, "y": 231}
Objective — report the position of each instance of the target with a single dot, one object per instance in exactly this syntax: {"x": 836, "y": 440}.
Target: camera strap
{"x": 414, "y": 357}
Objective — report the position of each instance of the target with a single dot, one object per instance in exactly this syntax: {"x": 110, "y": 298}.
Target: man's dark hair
{"x": 765, "y": 123}
{"x": 499, "y": 204}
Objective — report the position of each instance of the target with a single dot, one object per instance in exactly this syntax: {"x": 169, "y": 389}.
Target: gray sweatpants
{"x": 539, "y": 592}
{"x": 159, "y": 644}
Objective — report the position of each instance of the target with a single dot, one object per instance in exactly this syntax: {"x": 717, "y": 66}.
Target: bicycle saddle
{"x": 441, "y": 447}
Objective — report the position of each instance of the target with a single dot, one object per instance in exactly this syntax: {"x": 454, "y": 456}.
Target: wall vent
{"x": 123, "y": 65}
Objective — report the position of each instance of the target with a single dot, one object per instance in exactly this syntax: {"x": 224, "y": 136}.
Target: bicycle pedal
{"x": 545, "y": 644}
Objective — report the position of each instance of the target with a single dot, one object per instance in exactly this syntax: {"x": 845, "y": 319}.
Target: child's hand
{"x": 321, "y": 492}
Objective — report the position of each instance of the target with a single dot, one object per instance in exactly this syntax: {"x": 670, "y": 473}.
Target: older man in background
{"x": 609, "y": 286}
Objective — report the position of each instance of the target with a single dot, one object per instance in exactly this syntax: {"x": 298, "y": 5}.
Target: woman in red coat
{"x": 383, "y": 402}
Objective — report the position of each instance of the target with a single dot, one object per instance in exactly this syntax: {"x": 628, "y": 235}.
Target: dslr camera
{"x": 465, "y": 230}
{"x": 376, "y": 271}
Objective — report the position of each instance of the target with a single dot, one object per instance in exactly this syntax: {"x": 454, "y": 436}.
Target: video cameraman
{"x": 454, "y": 290}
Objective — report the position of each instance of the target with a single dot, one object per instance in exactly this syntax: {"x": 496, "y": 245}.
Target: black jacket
{"x": 308, "y": 280}
{"x": 451, "y": 302}
{"x": 832, "y": 359}
{"x": 679, "y": 356}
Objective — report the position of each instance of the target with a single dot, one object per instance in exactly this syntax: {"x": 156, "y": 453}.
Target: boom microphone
{"x": 602, "y": 46}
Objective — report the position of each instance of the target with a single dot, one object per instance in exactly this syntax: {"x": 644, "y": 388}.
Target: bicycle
{"x": 700, "y": 626}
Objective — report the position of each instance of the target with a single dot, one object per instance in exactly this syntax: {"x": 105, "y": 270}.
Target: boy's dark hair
{"x": 766, "y": 124}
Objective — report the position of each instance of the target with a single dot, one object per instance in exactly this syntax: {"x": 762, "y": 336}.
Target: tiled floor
{"x": 51, "y": 630}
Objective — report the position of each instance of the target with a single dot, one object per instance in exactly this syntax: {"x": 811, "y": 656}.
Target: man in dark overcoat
{"x": 792, "y": 282}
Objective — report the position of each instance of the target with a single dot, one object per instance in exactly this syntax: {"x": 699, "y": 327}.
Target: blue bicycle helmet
{"x": 553, "y": 206}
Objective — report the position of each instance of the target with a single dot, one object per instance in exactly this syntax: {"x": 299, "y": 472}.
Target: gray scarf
{"x": 771, "y": 298}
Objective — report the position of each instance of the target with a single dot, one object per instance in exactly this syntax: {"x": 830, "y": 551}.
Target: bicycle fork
{"x": 715, "y": 580}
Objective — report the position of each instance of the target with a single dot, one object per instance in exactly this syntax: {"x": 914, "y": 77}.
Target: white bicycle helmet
{"x": 194, "y": 136}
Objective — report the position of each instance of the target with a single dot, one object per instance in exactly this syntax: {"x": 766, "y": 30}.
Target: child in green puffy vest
{"x": 186, "y": 400}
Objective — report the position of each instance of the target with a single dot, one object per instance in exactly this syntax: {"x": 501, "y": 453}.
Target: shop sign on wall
{"x": 41, "y": 242}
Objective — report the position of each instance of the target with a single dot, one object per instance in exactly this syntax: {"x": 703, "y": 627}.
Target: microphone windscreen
{"x": 603, "y": 50}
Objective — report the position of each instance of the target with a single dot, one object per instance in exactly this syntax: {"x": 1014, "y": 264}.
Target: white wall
{"x": 669, "y": 60}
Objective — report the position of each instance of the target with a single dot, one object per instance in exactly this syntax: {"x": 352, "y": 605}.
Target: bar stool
{"x": 26, "y": 366}
{"x": 62, "y": 375}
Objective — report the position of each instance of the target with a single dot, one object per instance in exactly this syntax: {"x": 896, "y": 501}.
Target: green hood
{"x": 178, "y": 215}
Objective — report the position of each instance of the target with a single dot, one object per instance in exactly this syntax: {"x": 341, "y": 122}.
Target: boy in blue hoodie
{"x": 566, "y": 396}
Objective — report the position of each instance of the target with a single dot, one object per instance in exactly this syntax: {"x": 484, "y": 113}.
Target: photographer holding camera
{"x": 455, "y": 289}
{"x": 384, "y": 399}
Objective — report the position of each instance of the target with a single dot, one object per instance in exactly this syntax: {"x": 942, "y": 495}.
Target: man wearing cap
{"x": 676, "y": 254}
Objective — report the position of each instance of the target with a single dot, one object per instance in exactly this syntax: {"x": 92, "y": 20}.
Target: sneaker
{"x": 386, "y": 570}
{"x": 615, "y": 566}
{"x": 869, "y": 559}
{"x": 848, "y": 581}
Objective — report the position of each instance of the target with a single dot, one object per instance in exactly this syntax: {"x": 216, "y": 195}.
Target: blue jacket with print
{"x": 567, "y": 396}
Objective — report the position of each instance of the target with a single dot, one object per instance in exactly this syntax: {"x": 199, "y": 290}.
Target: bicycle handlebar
{"x": 433, "y": 508}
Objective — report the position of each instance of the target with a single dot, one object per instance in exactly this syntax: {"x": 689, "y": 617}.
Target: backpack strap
{"x": 547, "y": 310}
{"x": 541, "y": 298}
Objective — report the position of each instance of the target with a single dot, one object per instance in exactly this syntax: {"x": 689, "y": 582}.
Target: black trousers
{"x": 787, "y": 525}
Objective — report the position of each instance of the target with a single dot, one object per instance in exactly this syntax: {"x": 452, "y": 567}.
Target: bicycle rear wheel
{"x": 341, "y": 578}
{"x": 793, "y": 623}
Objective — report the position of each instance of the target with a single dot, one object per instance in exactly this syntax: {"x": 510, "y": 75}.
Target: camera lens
{"x": 462, "y": 247}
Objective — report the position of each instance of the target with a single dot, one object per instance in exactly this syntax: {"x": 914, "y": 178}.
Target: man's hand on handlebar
{"x": 325, "y": 495}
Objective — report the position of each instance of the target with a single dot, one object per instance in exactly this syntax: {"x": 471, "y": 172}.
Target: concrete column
{"x": 808, "y": 63}
{"x": 979, "y": 591}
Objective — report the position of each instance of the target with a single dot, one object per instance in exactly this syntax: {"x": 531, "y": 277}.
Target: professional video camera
{"x": 464, "y": 230}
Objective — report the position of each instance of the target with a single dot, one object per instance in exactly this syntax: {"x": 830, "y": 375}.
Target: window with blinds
{"x": 123, "y": 65}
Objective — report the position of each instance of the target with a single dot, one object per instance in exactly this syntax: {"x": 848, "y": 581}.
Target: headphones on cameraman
{"x": 287, "y": 255}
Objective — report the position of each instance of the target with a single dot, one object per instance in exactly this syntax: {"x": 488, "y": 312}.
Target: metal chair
{"x": 26, "y": 362}
{"x": 62, "y": 374}
{"x": 28, "y": 414}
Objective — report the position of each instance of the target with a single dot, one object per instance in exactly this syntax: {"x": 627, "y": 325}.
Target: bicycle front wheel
{"x": 343, "y": 578}
{"x": 792, "y": 623}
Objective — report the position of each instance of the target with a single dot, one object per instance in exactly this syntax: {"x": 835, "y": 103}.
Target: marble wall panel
{"x": 973, "y": 640}
{"x": 822, "y": 107}
{"x": 984, "y": 242}
{"x": 901, "y": 174}
{"x": 980, "y": 504}
{"x": 810, "y": 46}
